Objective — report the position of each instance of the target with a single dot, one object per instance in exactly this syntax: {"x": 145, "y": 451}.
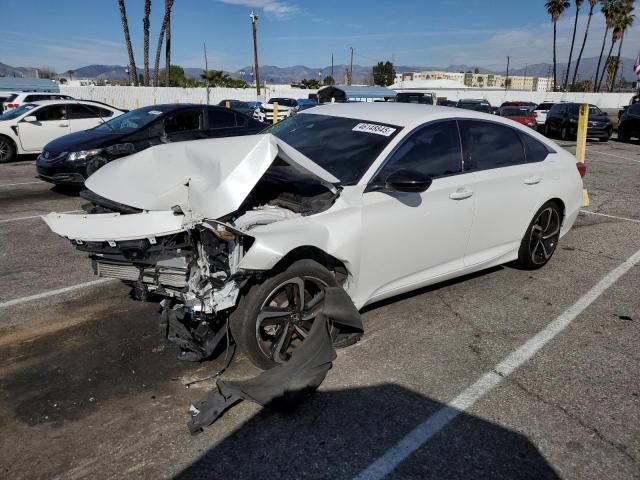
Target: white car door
{"x": 506, "y": 186}
{"x": 83, "y": 117}
{"x": 51, "y": 123}
{"x": 411, "y": 239}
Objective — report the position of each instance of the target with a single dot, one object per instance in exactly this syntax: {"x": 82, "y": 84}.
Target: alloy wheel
{"x": 544, "y": 235}
{"x": 287, "y": 314}
{"x": 5, "y": 150}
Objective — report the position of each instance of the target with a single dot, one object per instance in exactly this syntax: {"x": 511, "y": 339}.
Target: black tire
{"x": 541, "y": 238}
{"x": 7, "y": 150}
{"x": 547, "y": 131}
{"x": 564, "y": 133}
{"x": 259, "y": 337}
{"x": 622, "y": 134}
{"x": 604, "y": 139}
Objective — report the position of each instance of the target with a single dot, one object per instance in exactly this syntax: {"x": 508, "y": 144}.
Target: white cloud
{"x": 275, "y": 7}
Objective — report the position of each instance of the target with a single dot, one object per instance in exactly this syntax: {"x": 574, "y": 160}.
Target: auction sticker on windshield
{"x": 373, "y": 128}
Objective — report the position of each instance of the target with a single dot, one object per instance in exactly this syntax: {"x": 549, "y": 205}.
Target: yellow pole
{"x": 581, "y": 145}
{"x": 275, "y": 112}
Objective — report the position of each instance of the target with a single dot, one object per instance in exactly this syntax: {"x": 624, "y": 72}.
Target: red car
{"x": 522, "y": 115}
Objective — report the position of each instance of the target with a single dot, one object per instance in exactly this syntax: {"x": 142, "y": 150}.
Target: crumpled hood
{"x": 209, "y": 177}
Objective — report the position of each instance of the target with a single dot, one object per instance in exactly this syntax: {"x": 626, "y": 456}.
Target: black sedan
{"x": 629, "y": 123}
{"x": 562, "y": 119}
{"x": 70, "y": 159}
{"x": 238, "y": 106}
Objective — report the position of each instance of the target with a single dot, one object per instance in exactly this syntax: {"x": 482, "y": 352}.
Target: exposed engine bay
{"x": 196, "y": 270}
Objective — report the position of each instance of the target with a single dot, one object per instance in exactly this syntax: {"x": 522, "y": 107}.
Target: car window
{"x": 634, "y": 109}
{"x": 83, "y": 111}
{"x": 535, "y": 151}
{"x": 433, "y": 151}
{"x": 37, "y": 98}
{"x": 287, "y": 102}
{"x": 544, "y": 106}
{"x": 135, "y": 119}
{"x": 573, "y": 109}
{"x": 593, "y": 110}
{"x": 345, "y": 147}
{"x": 489, "y": 145}
{"x": 183, "y": 121}
{"x": 11, "y": 97}
{"x": 51, "y": 113}
{"x": 221, "y": 118}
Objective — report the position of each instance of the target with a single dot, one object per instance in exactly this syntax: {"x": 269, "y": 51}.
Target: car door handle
{"x": 532, "y": 180}
{"x": 461, "y": 194}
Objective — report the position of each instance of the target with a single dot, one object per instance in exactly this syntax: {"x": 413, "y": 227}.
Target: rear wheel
{"x": 547, "y": 131}
{"x": 622, "y": 134}
{"x": 541, "y": 239}
{"x": 274, "y": 317}
{"x": 7, "y": 150}
{"x": 564, "y": 133}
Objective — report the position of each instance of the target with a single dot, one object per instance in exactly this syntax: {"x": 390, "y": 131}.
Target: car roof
{"x": 401, "y": 114}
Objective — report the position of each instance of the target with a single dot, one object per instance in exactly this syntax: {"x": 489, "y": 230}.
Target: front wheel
{"x": 7, "y": 150}
{"x": 541, "y": 238}
{"x": 275, "y": 316}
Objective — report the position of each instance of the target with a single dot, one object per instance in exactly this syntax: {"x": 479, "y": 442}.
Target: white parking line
{"x": 51, "y": 293}
{"x": 611, "y": 216}
{"x": 20, "y": 183}
{"x": 613, "y": 155}
{"x": 33, "y": 216}
{"x": 436, "y": 422}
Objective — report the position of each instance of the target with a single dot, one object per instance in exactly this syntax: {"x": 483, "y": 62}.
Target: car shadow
{"x": 68, "y": 190}
{"x": 337, "y": 434}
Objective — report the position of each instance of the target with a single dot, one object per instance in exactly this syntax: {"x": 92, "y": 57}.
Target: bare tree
{"x": 145, "y": 26}
{"x": 133, "y": 73}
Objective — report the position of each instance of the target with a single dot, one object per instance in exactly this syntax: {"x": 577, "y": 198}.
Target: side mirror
{"x": 30, "y": 119}
{"x": 407, "y": 181}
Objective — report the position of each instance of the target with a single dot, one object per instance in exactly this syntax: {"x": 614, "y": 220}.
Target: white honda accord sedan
{"x": 379, "y": 198}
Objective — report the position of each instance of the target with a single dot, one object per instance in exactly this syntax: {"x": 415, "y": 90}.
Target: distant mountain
{"x": 296, "y": 73}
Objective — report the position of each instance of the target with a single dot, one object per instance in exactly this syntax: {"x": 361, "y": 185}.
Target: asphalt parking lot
{"x": 89, "y": 388}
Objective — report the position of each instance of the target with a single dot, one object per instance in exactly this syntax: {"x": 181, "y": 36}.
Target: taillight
{"x": 13, "y": 105}
{"x": 582, "y": 169}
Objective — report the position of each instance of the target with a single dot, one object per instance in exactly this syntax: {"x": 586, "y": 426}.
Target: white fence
{"x": 134, "y": 97}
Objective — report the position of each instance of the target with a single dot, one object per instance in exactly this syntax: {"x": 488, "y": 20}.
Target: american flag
{"x": 636, "y": 66}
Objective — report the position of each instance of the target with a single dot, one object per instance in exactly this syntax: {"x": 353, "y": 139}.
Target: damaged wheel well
{"x": 314, "y": 253}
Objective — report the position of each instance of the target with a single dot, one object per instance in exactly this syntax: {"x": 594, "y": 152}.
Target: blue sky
{"x": 73, "y": 33}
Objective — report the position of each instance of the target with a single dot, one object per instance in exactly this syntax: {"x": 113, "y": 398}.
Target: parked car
{"x": 523, "y": 115}
{"x": 29, "y": 97}
{"x": 529, "y": 105}
{"x": 28, "y": 128}
{"x": 304, "y": 104}
{"x": 425, "y": 98}
{"x": 446, "y": 103}
{"x": 69, "y": 160}
{"x": 238, "y": 106}
{"x": 629, "y": 123}
{"x": 475, "y": 105}
{"x": 286, "y": 108}
{"x": 378, "y": 198}
{"x": 541, "y": 112}
{"x": 562, "y": 119}
{"x": 6, "y": 96}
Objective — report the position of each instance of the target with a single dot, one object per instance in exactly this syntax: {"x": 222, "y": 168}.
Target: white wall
{"x": 134, "y": 97}
{"x": 496, "y": 97}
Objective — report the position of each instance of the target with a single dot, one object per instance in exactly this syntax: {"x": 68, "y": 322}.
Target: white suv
{"x": 541, "y": 112}
{"x": 286, "y": 108}
{"x": 17, "y": 99}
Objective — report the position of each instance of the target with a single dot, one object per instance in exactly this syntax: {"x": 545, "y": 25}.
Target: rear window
{"x": 544, "y": 106}
{"x": 515, "y": 112}
{"x": 287, "y": 102}
{"x": 11, "y": 98}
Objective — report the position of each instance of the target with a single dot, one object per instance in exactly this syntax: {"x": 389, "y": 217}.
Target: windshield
{"x": 345, "y": 147}
{"x": 515, "y": 112}
{"x": 132, "y": 121}
{"x": 16, "y": 112}
{"x": 287, "y": 102}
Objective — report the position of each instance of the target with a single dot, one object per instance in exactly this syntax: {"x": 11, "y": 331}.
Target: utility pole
{"x": 254, "y": 22}
{"x": 206, "y": 70}
{"x": 506, "y": 82}
{"x": 332, "y": 66}
{"x": 351, "y": 68}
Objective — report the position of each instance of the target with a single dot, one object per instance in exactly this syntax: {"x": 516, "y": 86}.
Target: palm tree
{"x": 592, "y": 5}
{"x": 573, "y": 39}
{"x": 615, "y": 15}
{"x": 165, "y": 20}
{"x": 145, "y": 26}
{"x": 167, "y": 45}
{"x": 555, "y": 9}
{"x": 133, "y": 73}
{"x": 624, "y": 22}
{"x": 608, "y": 10}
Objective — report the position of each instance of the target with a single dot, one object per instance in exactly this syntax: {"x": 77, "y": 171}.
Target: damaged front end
{"x": 182, "y": 234}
